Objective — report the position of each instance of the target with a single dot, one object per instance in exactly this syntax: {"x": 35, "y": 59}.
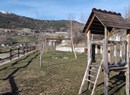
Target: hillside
{"x": 10, "y": 20}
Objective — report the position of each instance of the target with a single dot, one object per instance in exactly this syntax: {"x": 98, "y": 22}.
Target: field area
{"x": 60, "y": 74}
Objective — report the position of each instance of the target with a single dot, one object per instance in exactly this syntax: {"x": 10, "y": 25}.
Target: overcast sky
{"x": 61, "y": 9}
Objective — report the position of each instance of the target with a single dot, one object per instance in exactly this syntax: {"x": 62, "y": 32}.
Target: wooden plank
{"x": 115, "y": 42}
{"x": 128, "y": 67}
{"x": 97, "y": 42}
{"x": 105, "y": 61}
{"x": 98, "y": 49}
{"x": 18, "y": 52}
{"x": 90, "y": 24}
{"x": 117, "y": 68}
{"x": 89, "y": 46}
{"x": 93, "y": 53}
{"x": 10, "y": 54}
{"x": 90, "y": 81}
{"x": 90, "y": 38}
{"x": 117, "y": 53}
{"x": 111, "y": 56}
{"x": 91, "y": 76}
{"x": 123, "y": 53}
{"x": 93, "y": 71}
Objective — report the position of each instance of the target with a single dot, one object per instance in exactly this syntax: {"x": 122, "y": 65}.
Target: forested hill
{"x": 10, "y": 20}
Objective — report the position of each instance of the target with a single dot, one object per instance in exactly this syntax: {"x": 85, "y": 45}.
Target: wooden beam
{"x": 97, "y": 42}
{"x": 93, "y": 53}
{"x": 117, "y": 53}
{"x": 111, "y": 56}
{"x": 89, "y": 52}
{"x": 89, "y": 45}
{"x": 128, "y": 66}
{"x": 90, "y": 24}
{"x": 100, "y": 21}
{"x": 105, "y": 61}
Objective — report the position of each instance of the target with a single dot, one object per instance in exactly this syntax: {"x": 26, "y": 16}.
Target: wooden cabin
{"x": 104, "y": 25}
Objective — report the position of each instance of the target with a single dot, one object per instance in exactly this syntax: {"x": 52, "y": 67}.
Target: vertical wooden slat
{"x": 93, "y": 53}
{"x": 117, "y": 53}
{"x": 18, "y": 51}
{"x": 128, "y": 67}
{"x": 105, "y": 61}
{"x": 23, "y": 50}
{"x": 89, "y": 45}
{"x": 111, "y": 53}
{"x": 89, "y": 53}
{"x": 10, "y": 54}
{"x": 98, "y": 49}
{"x": 123, "y": 52}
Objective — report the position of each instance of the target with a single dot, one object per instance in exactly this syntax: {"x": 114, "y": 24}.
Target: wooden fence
{"x": 13, "y": 53}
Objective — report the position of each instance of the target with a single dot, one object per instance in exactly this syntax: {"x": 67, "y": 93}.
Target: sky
{"x": 61, "y": 9}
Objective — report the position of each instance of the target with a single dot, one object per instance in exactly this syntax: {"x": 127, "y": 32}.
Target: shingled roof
{"x": 101, "y": 18}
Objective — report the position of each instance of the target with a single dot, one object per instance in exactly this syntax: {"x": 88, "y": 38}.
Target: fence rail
{"x": 13, "y": 53}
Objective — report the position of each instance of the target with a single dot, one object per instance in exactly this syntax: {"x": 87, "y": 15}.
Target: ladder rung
{"x": 95, "y": 66}
{"x": 93, "y": 70}
{"x": 90, "y": 81}
{"x": 91, "y": 76}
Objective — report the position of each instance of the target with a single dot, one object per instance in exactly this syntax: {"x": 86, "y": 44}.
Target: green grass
{"x": 60, "y": 74}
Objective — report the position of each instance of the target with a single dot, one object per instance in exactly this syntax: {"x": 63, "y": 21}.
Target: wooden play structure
{"x": 115, "y": 55}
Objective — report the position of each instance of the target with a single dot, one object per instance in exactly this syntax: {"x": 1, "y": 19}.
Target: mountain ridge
{"x": 14, "y": 21}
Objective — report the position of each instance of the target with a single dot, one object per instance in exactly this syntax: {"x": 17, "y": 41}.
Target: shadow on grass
{"x": 117, "y": 83}
{"x": 14, "y": 88}
{"x": 10, "y": 77}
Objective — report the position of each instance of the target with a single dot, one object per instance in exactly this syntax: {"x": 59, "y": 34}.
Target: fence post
{"x": 10, "y": 54}
{"x": 18, "y": 51}
{"x": 27, "y": 49}
{"x": 23, "y": 50}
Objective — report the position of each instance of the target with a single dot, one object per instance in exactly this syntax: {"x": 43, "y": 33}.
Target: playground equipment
{"x": 102, "y": 28}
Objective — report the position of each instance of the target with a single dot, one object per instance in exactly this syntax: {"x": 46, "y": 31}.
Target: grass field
{"x": 60, "y": 74}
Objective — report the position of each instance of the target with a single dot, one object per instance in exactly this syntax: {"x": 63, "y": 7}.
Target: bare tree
{"x": 41, "y": 41}
{"x": 127, "y": 13}
{"x": 71, "y": 35}
{"x": 82, "y": 18}
{"x": 41, "y": 45}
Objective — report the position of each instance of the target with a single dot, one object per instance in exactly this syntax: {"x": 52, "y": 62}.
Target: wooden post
{"x": 124, "y": 47}
{"x": 23, "y": 50}
{"x": 111, "y": 53}
{"x": 98, "y": 49}
{"x": 89, "y": 52}
{"x": 117, "y": 53}
{"x": 93, "y": 53}
{"x": 105, "y": 61}
{"x": 89, "y": 45}
{"x": 10, "y": 54}
{"x": 27, "y": 49}
{"x": 125, "y": 54}
{"x": 54, "y": 46}
{"x": 128, "y": 66}
{"x": 18, "y": 51}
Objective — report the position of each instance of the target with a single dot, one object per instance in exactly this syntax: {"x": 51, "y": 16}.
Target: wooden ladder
{"x": 91, "y": 68}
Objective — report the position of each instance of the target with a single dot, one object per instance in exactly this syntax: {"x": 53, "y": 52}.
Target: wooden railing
{"x": 17, "y": 52}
